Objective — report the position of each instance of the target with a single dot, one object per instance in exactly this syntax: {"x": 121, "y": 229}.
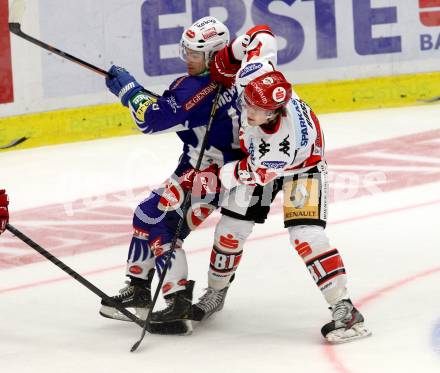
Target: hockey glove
{"x": 244, "y": 174}
{"x": 227, "y": 62}
{"x": 202, "y": 182}
{"x": 122, "y": 84}
{"x": 4, "y": 213}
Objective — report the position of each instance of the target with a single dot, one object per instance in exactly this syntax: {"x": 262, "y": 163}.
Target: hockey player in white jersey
{"x": 285, "y": 151}
{"x": 4, "y": 213}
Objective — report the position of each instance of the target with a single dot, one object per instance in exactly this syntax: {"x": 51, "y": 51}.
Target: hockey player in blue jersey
{"x": 185, "y": 109}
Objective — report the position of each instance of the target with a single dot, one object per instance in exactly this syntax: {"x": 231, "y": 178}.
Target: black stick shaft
{"x": 185, "y": 206}
{"x": 15, "y": 28}
{"x": 73, "y": 274}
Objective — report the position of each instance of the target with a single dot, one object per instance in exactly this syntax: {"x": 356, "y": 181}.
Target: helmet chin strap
{"x": 208, "y": 58}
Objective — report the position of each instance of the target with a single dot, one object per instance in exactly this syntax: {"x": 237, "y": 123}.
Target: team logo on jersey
{"x": 197, "y": 214}
{"x": 263, "y": 148}
{"x": 249, "y": 69}
{"x": 173, "y": 104}
{"x": 274, "y": 164}
{"x": 190, "y": 34}
{"x": 285, "y": 146}
{"x": 172, "y": 196}
{"x": 279, "y": 94}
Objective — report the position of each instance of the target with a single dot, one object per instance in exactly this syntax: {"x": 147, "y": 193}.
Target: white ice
{"x": 271, "y": 322}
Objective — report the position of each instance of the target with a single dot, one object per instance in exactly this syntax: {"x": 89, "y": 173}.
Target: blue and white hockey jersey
{"x": 185, "y": 108}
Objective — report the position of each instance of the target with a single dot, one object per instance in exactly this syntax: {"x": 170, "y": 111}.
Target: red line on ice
{"x": 208, "y": 248}
{"x": 96, "y": 226}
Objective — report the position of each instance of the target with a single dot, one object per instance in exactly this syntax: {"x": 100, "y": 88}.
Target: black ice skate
{"x": 135, "y": 297}
{"x": 176, "y": 317}
{"x": 210, "y": 302}
{"x": 347, "y": 324}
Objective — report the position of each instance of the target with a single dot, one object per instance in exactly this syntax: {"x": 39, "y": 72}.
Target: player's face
{"x": 195, "y": 61}
{"x": 255, "y": 115}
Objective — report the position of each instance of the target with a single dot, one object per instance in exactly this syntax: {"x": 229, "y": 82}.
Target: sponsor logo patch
{"x": 209, "y": 33}
{"x": 249, "y": 69}
{"x": 229, "y": 242}
{"x": 140, "y": 112}
{"x": 190, "y": 34}
{"x": 167, "y": 287}
{"x": 136, "y": 270}
{"x": 303, "y": 248}
{"x": 279, "y": 94}
{"x": 140, "y": 234}
{"x": 274, "y": 164}
{"x": 206, "y": 22}
{"x": 200, "y": 96}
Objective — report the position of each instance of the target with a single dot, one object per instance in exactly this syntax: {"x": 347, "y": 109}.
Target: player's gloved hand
{"x": 244, "y": 174}
{"x": 261, "y": 42}
{"x": 4, "y": 213}
{"x": 227, "y": 61}
{"x": 122, "y": 84}
{"x": 202, "y": 182}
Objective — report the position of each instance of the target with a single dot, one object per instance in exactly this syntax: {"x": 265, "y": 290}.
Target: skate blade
{"x": 179, "y": 327}
{"x": 357, "y": 331}
{"x": 113, "y": 313}
{"x": 199, "y": 315}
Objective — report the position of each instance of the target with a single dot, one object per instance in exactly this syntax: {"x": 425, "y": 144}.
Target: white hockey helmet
{"x": 206, "y": 35}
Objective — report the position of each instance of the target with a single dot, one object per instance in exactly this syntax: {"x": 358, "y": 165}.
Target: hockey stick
{"x": 185, "y": 206}
{"x": 14, "y": 143}
{"x": 430, "y": 100}
{"x": 15, "y": 17}
{"x": 73, "y": 274}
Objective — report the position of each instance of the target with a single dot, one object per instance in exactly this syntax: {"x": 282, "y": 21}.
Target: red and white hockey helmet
{"x": 269, "y": 91}
{"x": 207, "y": 35}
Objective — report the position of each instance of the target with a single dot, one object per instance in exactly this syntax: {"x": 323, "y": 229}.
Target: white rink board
{"x": 319, "y": 40}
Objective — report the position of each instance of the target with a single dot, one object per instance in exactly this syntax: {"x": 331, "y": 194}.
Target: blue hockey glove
{"x": 122, "y": 84}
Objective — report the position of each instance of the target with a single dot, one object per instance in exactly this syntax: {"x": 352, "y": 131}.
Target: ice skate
{"x": 135, "y": 297}
{"x": 210, "y": 302}
{"x": 347, "y": 324}
{"x": 176, "y": 317}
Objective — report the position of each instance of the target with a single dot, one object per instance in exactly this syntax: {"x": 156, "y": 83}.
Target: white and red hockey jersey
{"x": 294, "y": 145}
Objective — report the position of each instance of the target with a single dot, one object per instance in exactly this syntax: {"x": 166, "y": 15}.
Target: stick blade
{"x": 17, "y": 11}
{"x": 135, "y": 346}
